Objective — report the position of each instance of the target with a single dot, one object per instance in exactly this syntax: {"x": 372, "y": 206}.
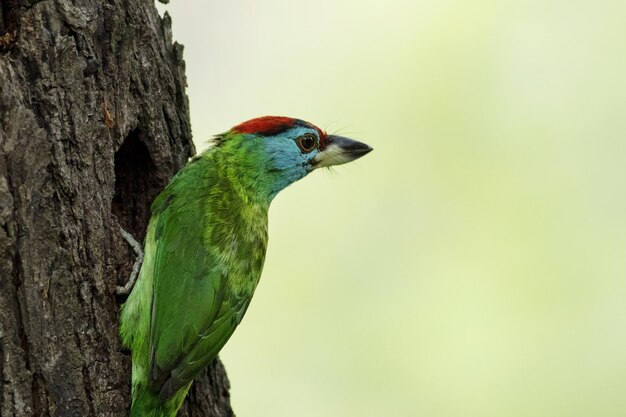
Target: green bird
{"x": 205, "y": 248}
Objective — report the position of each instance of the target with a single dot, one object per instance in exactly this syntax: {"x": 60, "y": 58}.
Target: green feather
{"x": 204, "y": 253}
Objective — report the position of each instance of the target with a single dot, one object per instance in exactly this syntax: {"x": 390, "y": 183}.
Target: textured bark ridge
{"x": 93, "y": 121}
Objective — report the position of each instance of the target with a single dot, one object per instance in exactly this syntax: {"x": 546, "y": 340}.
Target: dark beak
{"x": 340, "y": 150}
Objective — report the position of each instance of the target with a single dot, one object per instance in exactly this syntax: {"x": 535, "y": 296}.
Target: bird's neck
{"x": 239, "y": 175}
{"x": 249, "y": 171}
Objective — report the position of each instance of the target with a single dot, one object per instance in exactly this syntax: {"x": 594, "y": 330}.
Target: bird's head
{"x": 277, "y": 151}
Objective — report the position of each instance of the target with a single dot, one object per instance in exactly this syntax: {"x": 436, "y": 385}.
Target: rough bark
{"x": 94, "y": 121}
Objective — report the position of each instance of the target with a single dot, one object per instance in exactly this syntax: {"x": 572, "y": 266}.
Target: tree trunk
{"x": 94, "y": 121}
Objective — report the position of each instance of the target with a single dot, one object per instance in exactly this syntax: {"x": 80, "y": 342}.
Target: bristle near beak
{"x": 339, "y": 150}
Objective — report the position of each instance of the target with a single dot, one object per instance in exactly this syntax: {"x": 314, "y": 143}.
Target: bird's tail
{"x": 146, "y": 403}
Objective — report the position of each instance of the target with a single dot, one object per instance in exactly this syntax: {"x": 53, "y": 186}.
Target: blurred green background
{"x": 475, "y": 263}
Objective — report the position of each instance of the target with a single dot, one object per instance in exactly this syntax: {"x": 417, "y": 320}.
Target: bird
{"x": 204, "y": 251}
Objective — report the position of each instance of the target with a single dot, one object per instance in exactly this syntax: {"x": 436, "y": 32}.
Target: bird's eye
{"x": 307, "y": 142}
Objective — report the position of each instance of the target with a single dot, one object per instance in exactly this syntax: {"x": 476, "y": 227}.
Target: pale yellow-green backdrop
{"x": 473, "y": 265}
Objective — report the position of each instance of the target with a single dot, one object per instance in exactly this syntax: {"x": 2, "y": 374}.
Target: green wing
{"x": 193, "y": 310}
